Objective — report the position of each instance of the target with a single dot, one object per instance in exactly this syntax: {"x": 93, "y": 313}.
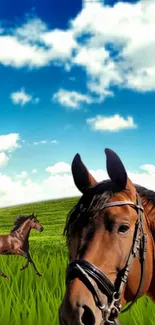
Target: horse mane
{"x": 92, "y": 202}
{"x": 142, "y": 191}
{"x": 20, "y": 220}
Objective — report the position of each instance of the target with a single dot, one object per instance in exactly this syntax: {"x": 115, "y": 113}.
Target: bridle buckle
{"x": 114, "y": 308}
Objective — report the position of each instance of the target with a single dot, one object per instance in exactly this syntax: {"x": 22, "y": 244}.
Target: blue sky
{"x": 75, "y": 77}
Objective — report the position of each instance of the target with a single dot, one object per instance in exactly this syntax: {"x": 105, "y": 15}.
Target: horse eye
{"x": 123, "y": 229}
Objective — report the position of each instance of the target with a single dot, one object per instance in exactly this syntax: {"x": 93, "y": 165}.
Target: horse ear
{"x": 116, "y": 169}
{"x": 32, "y": 215}
{"x": 82, "y": 178}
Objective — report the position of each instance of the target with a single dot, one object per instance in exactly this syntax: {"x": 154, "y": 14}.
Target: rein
{"x": 97, "y": 281}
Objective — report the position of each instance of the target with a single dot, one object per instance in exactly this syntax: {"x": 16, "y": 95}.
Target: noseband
{"x": 97, "y": 281}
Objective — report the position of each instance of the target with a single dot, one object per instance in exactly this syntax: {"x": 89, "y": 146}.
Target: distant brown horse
{"x": 111, "y": 242}
{"x": 16, "y": 242}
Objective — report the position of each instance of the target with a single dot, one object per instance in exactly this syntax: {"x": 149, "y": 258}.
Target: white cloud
{"x": 17, "y": 53}
{"x": 17, "y": 191}
{"x": 143, "y": 179}
{"x": 71, "y": 99}
{"x": 36, "y": 143}
{"x": 3, "y": 159}
{"x": 58, "y": 184}
{"x": 9, "y": 142}
{"x": 34, "y": 45}
{"x": 59, "y": 168}
{"x": 124, "y": 57}
{"x": 148, "y": 168}
{"x": 22, "y": 175}
{"x": 61, "y": 49}
{"x": 34, "y": 171}
{"x": 31, "y": 30}
{"x": 111, "y": 54}
{"x": 112, "y": 123}
{"x": 100, "y": 69}
{"x": 21, "y": 97}
{"x": 54, "y": 141}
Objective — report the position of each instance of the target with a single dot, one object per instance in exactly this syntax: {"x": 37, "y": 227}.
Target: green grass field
{"x": 27, "y": 299}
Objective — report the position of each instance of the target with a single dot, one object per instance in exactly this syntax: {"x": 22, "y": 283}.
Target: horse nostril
{"x": 87, "y": 317}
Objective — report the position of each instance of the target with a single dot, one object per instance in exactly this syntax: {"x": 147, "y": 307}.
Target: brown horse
{"x": 111, "y": 239}
{"x": 16, "y": 242}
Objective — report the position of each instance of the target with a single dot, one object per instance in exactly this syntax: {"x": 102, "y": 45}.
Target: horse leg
{"x": 24, "y": 254}
{"x": 29, "y": 260}
{"x": 33, "y": 265}
{"x": 3, "y": 275}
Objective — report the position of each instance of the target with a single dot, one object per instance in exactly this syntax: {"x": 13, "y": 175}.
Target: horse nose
{"x": 86, "y": 316}
{"x": 81, "y": 315}
{"x": 42, "y": 228}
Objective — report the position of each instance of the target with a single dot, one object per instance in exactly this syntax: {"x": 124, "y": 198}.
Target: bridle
{"x": 97, "y": 281}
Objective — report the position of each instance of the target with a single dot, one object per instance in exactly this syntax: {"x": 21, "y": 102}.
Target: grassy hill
{"x": 26, "y": 299}
{"x": 51, "y": 214}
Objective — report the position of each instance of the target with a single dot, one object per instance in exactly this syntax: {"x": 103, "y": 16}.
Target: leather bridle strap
{"x": 85, "y": 272}
{"x": 119, "y": 203}
{"x": 142, "y": 259}
{"x": 139, "y": 244}
{"x": 82, "y": 266}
